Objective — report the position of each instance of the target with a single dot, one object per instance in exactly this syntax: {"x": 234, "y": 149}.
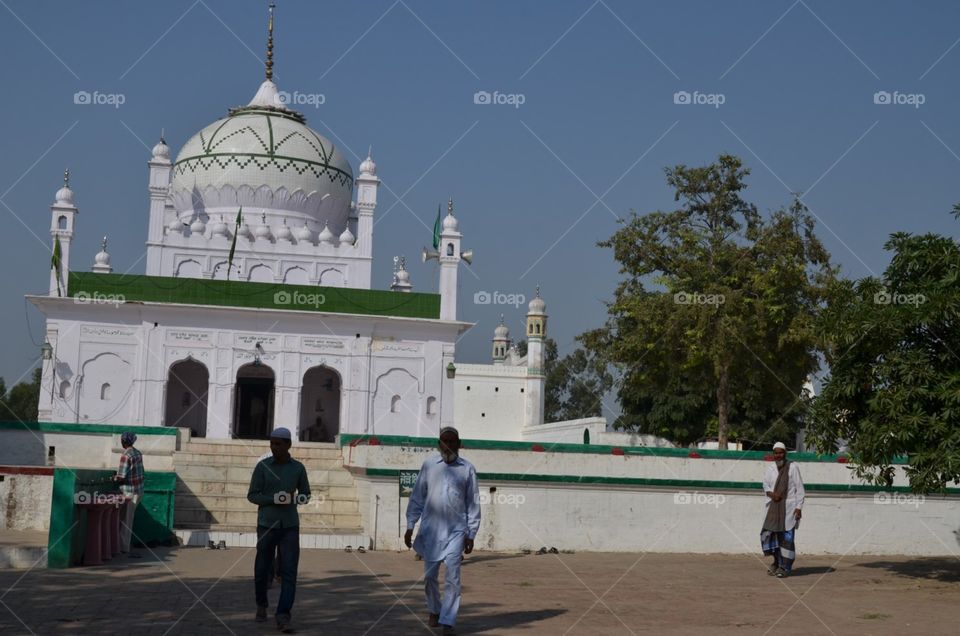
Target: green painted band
{"x": 97, "y": 429}
{"x": 586, "y": 449}
{"x": 662, "y": 483}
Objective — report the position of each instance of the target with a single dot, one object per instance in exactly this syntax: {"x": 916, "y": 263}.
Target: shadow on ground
{"x": 935, "y": 569}
{"x": 146, "y": 597}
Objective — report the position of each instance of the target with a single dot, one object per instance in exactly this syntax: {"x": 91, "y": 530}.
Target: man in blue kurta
{"x": 446, "y": 502}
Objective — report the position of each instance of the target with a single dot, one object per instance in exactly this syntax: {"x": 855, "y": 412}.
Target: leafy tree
{"x": 892, "y": 345}
{"x": 20, "y": 404}
{"x": 711, "y": 329}
{"x": 576, "y": 385}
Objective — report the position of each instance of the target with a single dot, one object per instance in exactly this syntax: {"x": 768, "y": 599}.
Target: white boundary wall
{"x": 638, "y": 518}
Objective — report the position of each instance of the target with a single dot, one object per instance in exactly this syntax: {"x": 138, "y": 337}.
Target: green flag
{"x": 436, "y": 230}
{"x": 233, "y": 244}
{"x": 55, "y": 262}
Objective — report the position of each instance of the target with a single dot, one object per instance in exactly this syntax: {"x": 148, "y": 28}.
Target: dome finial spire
{"x": 66, "y": 177}
{"x": 450, "y": 206}
{"x": 269, "y": 63}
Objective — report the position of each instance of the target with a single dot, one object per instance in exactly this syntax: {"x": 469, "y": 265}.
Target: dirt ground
{"x": 197, "y": 591}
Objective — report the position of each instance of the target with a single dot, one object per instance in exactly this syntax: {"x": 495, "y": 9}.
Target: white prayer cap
{"x": 779, "y": 445}
{"x": 281, "y": 433}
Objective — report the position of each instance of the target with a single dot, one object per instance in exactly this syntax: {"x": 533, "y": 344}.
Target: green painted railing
{"x": 96, "y": 429}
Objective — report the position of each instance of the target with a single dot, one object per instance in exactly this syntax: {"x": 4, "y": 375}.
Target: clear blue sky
{"x": 597, "y": 80}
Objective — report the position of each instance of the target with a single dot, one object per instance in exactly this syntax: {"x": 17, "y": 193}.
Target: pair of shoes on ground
{"x": 777, "y": 571}
{"x": 544, "y": 550}
{"x": 283, "y": 620}
{"x": 360, "y": 549}
{"x": 434, "y": 621}
{"x": 222, "y": 545}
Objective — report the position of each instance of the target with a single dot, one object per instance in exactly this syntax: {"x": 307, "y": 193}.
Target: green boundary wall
{"x": 96, "y": 429}
{"x": 94, "y": 288}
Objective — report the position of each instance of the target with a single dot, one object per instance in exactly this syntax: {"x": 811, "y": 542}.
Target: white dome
{"x": 198, "y": 226}
{"x": 161, "y": 151}
{"x": 367, "y": 166}
{"x": 347, "y": 237}
{"x": 501, "y": 332}
{"x": 326, "y": 237}
{"x": 537, "y": 306}
{"x": 262, "y": 231}
{"x": 220, "y": 228}
{"x": 450, "y": 223}
{"x": 285, "y": 232}
{"x": 304, "y": 233}
{"x": 263, "y": 156}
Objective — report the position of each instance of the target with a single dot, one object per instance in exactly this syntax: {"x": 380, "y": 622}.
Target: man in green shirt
{"x": 279, "y": 484}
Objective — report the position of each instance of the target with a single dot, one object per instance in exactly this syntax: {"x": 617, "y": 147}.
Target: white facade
{"x": 261, "y": 194}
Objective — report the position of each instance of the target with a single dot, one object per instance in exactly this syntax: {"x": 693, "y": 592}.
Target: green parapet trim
{"x": 97, "y": 429}
{"x": 662, "y": 483}
{"x": 94, "y": 288}
{"x": 66, "y": 540}
{"x": 587, "y": 449}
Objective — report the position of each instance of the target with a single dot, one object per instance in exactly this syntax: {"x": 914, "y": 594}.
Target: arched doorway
{"x": 253, "y": 402}
{"x": 186, "y": 403}
{"x": 320, "y": 405}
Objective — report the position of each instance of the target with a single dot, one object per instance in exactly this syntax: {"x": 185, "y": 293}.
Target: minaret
{"x": 449, "y": 263}
{"x": 367, "y": 185}
{"x": 536, "y": 333}
{"x": 63, "y": 218}
{"x": 161, "y": 173}
{"x": 501, "y": 342}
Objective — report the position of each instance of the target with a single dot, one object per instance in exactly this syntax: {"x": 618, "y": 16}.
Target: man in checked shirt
{"x": 130, "y": 477}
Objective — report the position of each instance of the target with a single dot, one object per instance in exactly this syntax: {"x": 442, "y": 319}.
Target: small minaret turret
{"x": 101, "y": 262}
{"x": 501, "y": 342}
{"x": 401, "y": 277}
{"x": 63, "y": 218}
{"x": 536, "y": 334}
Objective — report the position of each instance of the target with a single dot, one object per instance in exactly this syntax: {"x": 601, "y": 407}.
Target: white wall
{"x": 493, "y": 405}
{"x": 601, "y": 517}
{"x": 82, "y": 450}
{"x": 25, "y": 501}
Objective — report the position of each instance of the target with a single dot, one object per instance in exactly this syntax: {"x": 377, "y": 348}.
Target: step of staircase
{"x": 244, "y": 537}
{"x": 211, "y": 496}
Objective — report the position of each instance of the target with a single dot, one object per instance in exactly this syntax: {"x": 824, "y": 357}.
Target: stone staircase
{"x": 211, "y": 498}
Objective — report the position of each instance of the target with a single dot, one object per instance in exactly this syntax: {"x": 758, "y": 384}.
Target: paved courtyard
{"x": 198, "y": 591}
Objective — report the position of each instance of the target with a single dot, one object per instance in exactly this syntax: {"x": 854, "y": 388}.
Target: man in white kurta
{"x": 446, "y": 502}
{"x": 784, "y": 491}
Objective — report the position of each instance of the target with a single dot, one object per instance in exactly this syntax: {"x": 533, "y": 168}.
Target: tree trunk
{"x": 723, "y": 405}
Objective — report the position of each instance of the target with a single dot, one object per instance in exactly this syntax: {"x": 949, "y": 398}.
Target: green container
{"x": 152, "y": 524}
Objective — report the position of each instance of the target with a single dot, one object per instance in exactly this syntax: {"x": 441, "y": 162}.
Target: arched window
{"x": 395, "y": 404}
{"x": 431, "y": 406}
{"x": 105, "y": 391}
{"x": 62, "y": 223}
{"x": 537, "y": 327}
{"x": 449, "y": 249}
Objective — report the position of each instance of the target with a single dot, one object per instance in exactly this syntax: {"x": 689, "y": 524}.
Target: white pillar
{"x": 63, "y": 215}
{"x": 449, "y": 263}
{"x": 161, "y": 172}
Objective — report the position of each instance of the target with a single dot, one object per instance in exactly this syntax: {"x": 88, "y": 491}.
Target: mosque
{"x": 256, "y": 309}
